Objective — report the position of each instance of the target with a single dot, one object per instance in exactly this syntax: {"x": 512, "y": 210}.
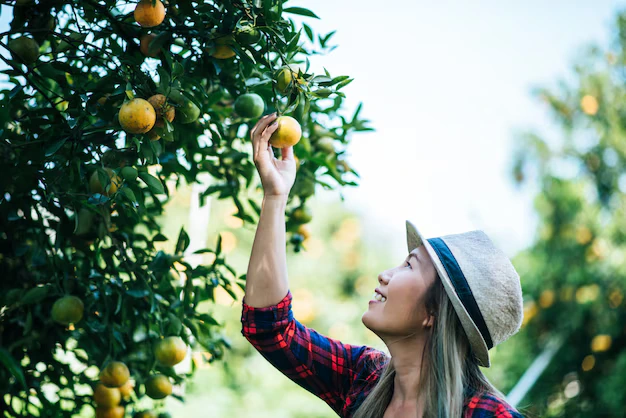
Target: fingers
{"x": 287, "y": 153}
{"x": 261, "y": 125}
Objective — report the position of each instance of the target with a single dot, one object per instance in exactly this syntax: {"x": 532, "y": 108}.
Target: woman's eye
{"x": 408, "y": 264}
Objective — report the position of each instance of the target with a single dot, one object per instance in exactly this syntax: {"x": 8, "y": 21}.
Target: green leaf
{"x": 35, "y": 295}
{"x": 12, "y": 366}
{"x": 300, "y": 11}
{"x": 55, "y": 147}
{"x": 208, "y": 319}
{"x": 183, "y": 241}
{"x": 152, "y": 182}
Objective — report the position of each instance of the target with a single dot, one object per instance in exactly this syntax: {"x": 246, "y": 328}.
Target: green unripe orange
{"x": 158, "y": 387}
{"x": 170, "y": 351}
{"x": 249, "y": 105}
{"x": 68, "y": 310}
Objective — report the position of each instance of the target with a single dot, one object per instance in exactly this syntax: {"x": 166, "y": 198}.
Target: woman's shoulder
{"x": 486, "y": 404}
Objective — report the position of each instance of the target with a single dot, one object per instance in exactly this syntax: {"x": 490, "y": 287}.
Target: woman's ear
{"x": 429, "y": 322}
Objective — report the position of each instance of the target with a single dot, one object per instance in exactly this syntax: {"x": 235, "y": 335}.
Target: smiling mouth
{"x": 378, "y": 298}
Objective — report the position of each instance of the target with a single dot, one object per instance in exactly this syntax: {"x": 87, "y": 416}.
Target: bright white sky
{"x": 446, "y": 84}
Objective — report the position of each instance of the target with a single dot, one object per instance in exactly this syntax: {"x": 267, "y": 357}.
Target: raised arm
{"x": 266, "y": 279}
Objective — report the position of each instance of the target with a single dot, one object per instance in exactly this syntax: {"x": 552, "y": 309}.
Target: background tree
{"x": 574, "y": 275}
{"x": 90, "y": 148}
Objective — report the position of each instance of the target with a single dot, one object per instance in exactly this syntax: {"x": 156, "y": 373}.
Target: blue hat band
{"x": 461, "y": 286}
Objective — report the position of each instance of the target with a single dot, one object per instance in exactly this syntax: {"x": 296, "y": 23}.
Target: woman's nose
{"x": 382, "y": 278}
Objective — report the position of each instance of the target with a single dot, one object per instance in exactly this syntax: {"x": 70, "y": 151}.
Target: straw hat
{"x": 482, "y": 284}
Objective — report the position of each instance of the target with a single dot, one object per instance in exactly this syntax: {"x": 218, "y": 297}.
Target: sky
{"x": 447, "y": 85}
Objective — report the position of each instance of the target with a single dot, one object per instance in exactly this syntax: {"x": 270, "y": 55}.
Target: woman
{"x": 438, "y": 312}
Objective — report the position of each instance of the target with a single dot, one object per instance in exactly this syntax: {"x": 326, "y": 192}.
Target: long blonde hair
{"x": 451, "y": 371}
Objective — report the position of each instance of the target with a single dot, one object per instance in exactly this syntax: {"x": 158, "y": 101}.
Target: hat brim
{"x": 414, "y": 239}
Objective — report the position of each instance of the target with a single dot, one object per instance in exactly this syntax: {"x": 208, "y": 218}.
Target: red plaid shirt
{"x": 335, "y": 372}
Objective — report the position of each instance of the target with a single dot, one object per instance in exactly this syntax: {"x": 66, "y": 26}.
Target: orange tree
{"x": 574, "y": 274}
{"x": 103, "y": 103}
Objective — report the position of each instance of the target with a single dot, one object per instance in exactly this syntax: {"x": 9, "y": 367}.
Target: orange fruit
{"x": 137, "y": 116}
{"x": 24, "y": 49}
{"x": 162, "y": 107}
{"x": 126, "y": 389}
{"x": 67, "y": 310}
{"x": 115, "y": 412}
{"x": 287, "y": 134}
{"x": 148, "y": 15}
{"x": 170, "y": 351}
{"x": 223, "y": 52}
{"x": 115, "y": 374}
{"x": 283, "y": 78}
{"x": 158, "y": 386}
{"x": 97, "y": 187}
{"x": 106, "y": 397}
{"x": 304, "y": 231}
{"x": 302, "y": 215}
{"x": 144, "y": 45}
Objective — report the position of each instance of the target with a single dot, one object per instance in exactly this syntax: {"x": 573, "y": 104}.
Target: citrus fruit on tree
{"x": 287, "y": 134}
{"x": 170, "y": 351}
{"x": 163, "y": 109}
{"x": 137, "y": 116}
{"x": 68, "y": 310}
{"x": 129, "y": 173}
{"x": 223, "y": 52}
{"x": 126, "y": 389}
{"x": 188, "y": 112}
{"x": 158, "y": 386}
{"x": 114, "y": 412}
{"x": 248, "y": 35}
{"x": 302, "y": 215}
{"x": 96, "y": 186}
{"x": 83, "y": 221}
{"x": 24, "y": 49}
{"x": 106, "y": 397}
{"x": 148, "y": 15}
{"x": 249, "y": 105}
{"x": 325, "y": 144}
{"x": 304, "y": 231}
{"x": 283, "y": 78}
{"x": 144, "y": 45}
{"x": 115, "y": 374}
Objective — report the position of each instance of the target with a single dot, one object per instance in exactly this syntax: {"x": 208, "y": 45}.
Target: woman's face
{"x": 405, "y": 287}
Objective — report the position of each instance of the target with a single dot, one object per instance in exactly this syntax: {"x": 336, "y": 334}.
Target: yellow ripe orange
{"x": 223, "y": 52}
{"x": 147, "y": 15}
{"x": 170, "y": 351}
{"x": 115, "y": 374}
{"x": 97, "y": 187}
{"x": 137, "y": 116}
{"x": 144, "y": 45}
{"x": 162, "y": 107}
{"x": 115, "y": 412}
{"x": 126, "y": 389}
{"x": 287, "y": 134}
{"x": 67, "y": 310}
{"x": 304, "y": 231}
{"x": 158, "y": 387}
{"x": 107, "y": 397}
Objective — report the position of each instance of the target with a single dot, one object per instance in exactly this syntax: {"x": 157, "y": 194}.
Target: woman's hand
{"x": 277, "y": 176}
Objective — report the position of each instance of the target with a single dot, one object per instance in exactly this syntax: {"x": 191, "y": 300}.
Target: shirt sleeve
{"x": 323, "y": 366}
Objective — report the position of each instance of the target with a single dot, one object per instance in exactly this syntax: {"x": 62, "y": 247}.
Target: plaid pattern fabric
{"x": 340, "y": 374}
